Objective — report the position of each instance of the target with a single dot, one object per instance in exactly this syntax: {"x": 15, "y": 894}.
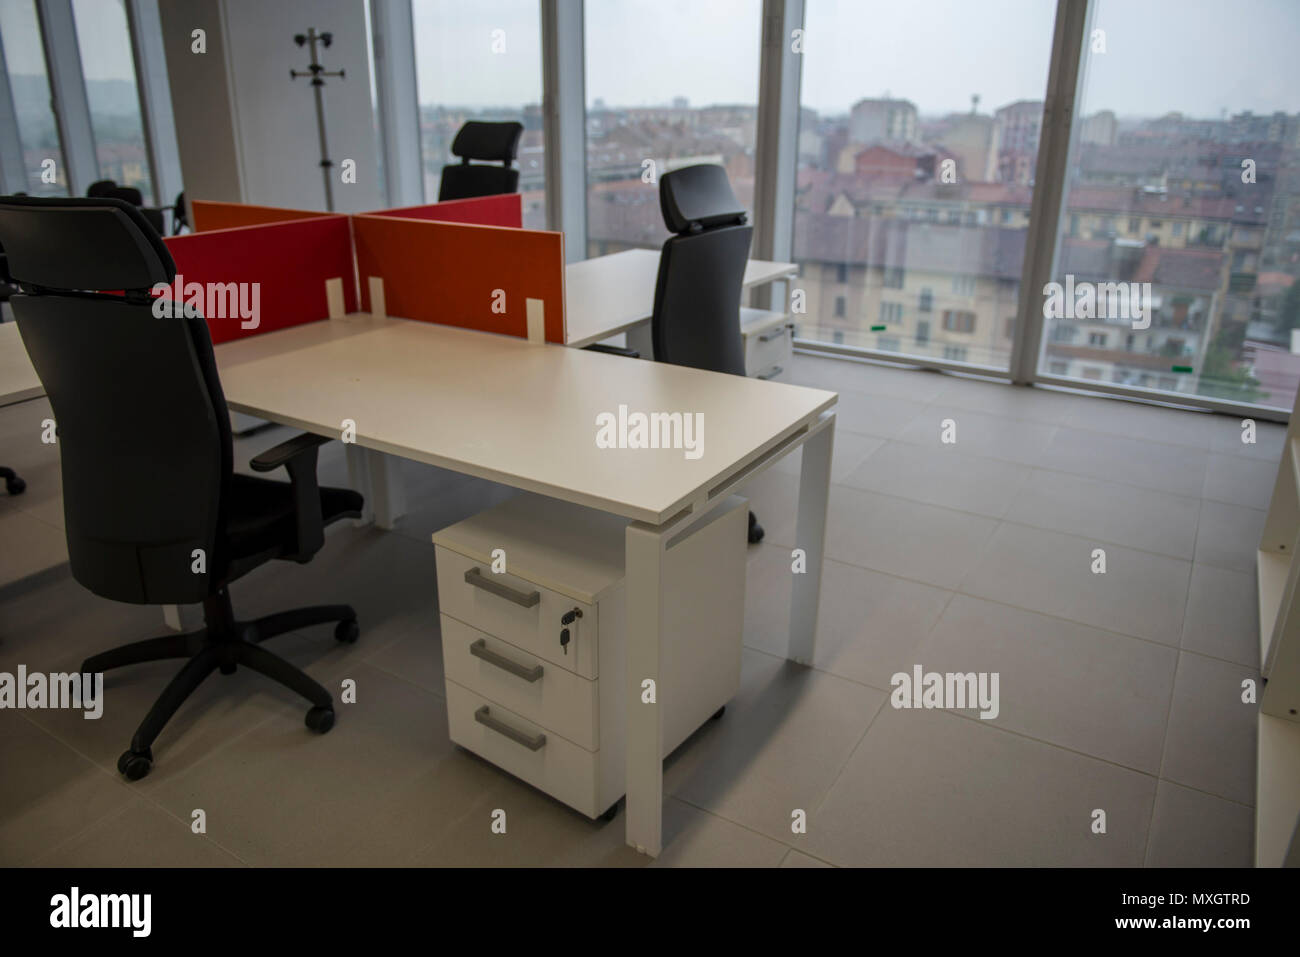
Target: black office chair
{"x": 155, "y": 513}
{"x": 488, "y": 142}
{"x": 101, "y": 188}
{"x": 696, "y": 320}
{"x": 179, "y": 220}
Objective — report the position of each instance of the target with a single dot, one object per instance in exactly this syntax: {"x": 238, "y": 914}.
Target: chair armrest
{"x": 613, "y": 351}
{"x": 298, "y": 456}
{"x": 286, "y": 451}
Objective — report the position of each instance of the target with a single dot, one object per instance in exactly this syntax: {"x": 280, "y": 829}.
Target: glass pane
{"x": 662, "y": 94}
{"x": 104, "y": 41}
{"x": 1179, "y": 243}
{"x": 481, "y": 61}
{"x": 29, "y": 85}
{"x": 916, "y": 165}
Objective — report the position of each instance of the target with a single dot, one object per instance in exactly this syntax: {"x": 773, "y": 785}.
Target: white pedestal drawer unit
{"x": 534, "y": 654}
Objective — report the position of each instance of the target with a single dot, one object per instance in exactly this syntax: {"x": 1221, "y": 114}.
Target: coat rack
{"x": 317, "y": 72}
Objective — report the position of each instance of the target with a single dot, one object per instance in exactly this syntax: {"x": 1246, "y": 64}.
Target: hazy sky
{"x": 1197, "y": 56}
{"x": 101, "y": 35}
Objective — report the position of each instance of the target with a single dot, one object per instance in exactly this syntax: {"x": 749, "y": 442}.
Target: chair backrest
{"x": 101, "y": 187}
{"x": 142, "y": 425}
{"x": 696, "y": 319}
{"x": 487, "y": 142}
{"x": 179, "y": 220}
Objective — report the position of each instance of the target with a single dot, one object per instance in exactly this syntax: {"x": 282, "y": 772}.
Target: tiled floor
{"x": 1118, "y": 691}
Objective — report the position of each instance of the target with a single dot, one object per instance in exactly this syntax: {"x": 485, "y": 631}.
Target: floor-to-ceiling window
{"x": 669, "y": 83}
{"x": 918, "y": 137}
{"x": 29, "y": 88}
{"x": 104, "y": 42}
{"x": 481, "y": 61}
{"x": 1177, "y": 263}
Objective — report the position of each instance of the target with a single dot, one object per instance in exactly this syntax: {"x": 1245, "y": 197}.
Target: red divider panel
{"x": 210, "y": 215}
{"x": 504, "y": 210}
{"x": 455, "y": 274}
{"x": 278, "y": 272}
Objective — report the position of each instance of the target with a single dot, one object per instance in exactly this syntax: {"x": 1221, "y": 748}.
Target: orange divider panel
{"x": 262, "y": 278}
{"x": 504, "y": 210}
{"x": 477, "y": 277}
{"x": 210, "y": 215}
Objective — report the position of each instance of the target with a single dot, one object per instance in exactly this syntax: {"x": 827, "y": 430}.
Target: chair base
{"x": 223, "y": 643}
{"x": 14, "y": 483}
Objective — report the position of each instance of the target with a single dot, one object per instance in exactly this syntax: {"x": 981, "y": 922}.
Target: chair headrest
{"x": 698, "y": 197}
{"x": 90, "y": 243}
{"x": 128, "y": 194}
{"x": 488, "y": 141}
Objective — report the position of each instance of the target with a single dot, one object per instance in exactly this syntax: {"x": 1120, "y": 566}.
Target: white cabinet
{"x": 533, "y": 653}
{"x": 769, "y": 342}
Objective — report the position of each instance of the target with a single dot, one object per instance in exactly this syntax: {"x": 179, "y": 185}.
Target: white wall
{"x": 236, "y": 105}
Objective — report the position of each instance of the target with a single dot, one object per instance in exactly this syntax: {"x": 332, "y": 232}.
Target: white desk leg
{"x": 377, "y": 477}
{"x": 386, "y": 488}
{"x": 172, "y": 617}
{"x": 359, "y": 479}
{"x": 645, "y": 728}
{"x": 810, "y": 535}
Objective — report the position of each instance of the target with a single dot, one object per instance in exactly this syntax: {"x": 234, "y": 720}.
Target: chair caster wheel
{"x": 610, "y": 814}
{"x": 347, "y": 631}
{"x": 756, "y": 532}
{"x": 16, "y": 486}
{"x": 134, "y": 765}
{"x": 718, "y": 714}
{"x": 320, "y": 720}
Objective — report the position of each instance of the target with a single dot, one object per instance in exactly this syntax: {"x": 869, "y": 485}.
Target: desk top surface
{"x": 520, "y": 413}
{"x": 18, "y": 379}
{"x": 610, "y": 294}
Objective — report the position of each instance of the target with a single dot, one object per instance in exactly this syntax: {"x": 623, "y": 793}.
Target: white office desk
{"x": 524, "y": 414}
{"x": 18, "y": 379}
{"x": 611, "y": 294}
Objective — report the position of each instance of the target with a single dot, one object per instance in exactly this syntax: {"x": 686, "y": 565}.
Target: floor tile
{"x": 140, "y": 835}
{"x": 933, "y": 545}
{"x": 778, "y": 747}
{"x": 1088, "y": 690}
{"x": 1223, "y": 615}
{"x": 1228, "y": 536}
{"x": 1193, "y": 829}
{"x": 1108, "y": 511}
{"x": 941, "y": 476}
{"x": 1174, "y": 469}
{"x": 868, "y": 623}
{"x": 1210, "y": 745}
{"x": 932, "y": 789}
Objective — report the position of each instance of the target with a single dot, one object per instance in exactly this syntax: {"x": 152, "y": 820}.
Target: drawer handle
{"x": 479, "y": 649}
{"x": 779, "y": 334}
{"x": 533, "y": 742}
{"x": 771, "y": 373}
{"x": 475, "y": 577}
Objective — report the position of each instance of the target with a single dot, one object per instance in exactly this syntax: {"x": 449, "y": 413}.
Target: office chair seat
{"x": 261, "y": 516}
